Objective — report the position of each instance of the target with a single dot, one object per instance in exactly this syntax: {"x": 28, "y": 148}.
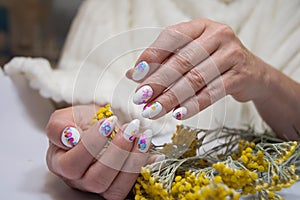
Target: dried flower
{"x": 226, "y": 171}
{"x": 103, "y": 112}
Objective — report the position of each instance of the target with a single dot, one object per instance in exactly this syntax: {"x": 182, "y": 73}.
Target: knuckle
{"x": 195, "y": 79}
{"x": 73, "y": 184}
{"x": 96, "y": 185}
{"x": 151, "y": 54}
{"x": 211, "y": 94}
{"x": 183, "y": 60}
{"x": 206, "y": 95}
{"x": 171, "y": 33}
{"x": 233, "y": 84}
{"x": 217, "y": 89}
{"x": 69, "y": 172}
{"x": 188, "y": 57}
{"x": 51, "y": 123}
{"x": 54, "y": 120}
{"x": 237, "y": 54}
{"x": 225, "y": 30}
{"x": 170, "y": 98}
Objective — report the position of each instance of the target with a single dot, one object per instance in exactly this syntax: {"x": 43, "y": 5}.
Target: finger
{"x": 213, "y": 92}
{"x": 171, "y": 39}
{"x": 68, "y": 123}
{"x": 131, "y": 169}
{"x": 177, "y": 65}
{"x": 57, "y": 124}
{"x": 101, "y": 174}
{"x": 73, "y": 163}
{"x": 187, "y": 86}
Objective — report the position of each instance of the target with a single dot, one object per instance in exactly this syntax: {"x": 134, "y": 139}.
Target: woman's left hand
{"x": 191, "y": 65}
{"x": 82, "y": 156}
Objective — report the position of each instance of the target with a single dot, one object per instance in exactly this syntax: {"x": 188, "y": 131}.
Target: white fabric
{"x": 98, "y": 51}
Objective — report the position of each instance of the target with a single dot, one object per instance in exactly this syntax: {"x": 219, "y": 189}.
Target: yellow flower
{"x": 103, "y": 112}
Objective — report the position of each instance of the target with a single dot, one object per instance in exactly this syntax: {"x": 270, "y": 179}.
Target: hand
{"x": 89, "y": 164}
{"x": 191, "y": 65}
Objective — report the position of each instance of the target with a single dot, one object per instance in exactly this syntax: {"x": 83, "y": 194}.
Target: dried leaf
{"x": 181, "y": 141}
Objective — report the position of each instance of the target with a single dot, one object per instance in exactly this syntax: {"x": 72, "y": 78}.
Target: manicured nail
{"x": 70, "y": 137}
{"x": 108, "y": 126}
{"x": 151, "y": 110}
{"x": 140, "y": 71}
{"x": 143, "y": 95}
{"x": 132, "y": 130}
{"x": 144, "y": 141}
{"x": 179, "y": 113}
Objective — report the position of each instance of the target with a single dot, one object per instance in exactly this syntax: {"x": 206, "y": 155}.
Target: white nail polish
{"x": 108, "y": 126}
{"x": 70, "y": 137}
{"x": 151, "y": 110}
{"x": 132, "y": 130}
{"x": 140, "y": 71}
{"x": 144, "y": 141}
{"x": 179, "y": 113}
{"x": 143, "y": 95}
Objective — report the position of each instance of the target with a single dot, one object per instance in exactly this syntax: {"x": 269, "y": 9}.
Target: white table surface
{"x": 23, "y": 171}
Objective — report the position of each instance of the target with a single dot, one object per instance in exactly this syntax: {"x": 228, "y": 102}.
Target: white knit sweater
{"x": 107, "y": 35}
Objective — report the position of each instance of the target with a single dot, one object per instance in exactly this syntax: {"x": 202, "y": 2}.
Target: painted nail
{"x": 132, "y": 130}
{"x": 140, "y": 71}
{"x": 144, "y": 141}
{"x": 151, "y": 110}
{"x": 143, "y": 95}
{"x": 108, "y": 126}
{"x": 70, "y": 137}
{"x": 179, "y": 113}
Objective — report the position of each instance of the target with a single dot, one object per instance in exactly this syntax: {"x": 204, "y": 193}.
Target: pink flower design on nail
{"x": 152, "y": 106}
{"x": 106, "y": 128}
{"x": 69, "y": 137}
{"x": 141, "y": 66}
{"x": 178, "y": 115}
{"x": 140, "y": 70}
{"x": 147, "y": 94}
{"x": 131, "y": 138}
{"x": 142, "y": 143}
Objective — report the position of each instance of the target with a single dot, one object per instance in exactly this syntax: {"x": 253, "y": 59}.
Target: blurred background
{"x": 36, "y": 28}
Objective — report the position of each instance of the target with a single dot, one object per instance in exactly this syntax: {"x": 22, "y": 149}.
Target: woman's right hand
{"x": 79, "y": 154}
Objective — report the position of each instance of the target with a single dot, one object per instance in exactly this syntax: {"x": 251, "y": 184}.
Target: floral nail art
{"x": 108, "y": 126}
{"x": 70, "y": 137}
{"x": 143, "y": 95}
{"x": 140, "y": 71}
{"x": 144, "y": 141}
{"x": 152, "y": 109}
{"x": 132, "y": 130}
{"x": 179, "y": 113}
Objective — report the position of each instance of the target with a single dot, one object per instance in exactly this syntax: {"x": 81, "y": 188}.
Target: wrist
{"x": 266, "y": 83}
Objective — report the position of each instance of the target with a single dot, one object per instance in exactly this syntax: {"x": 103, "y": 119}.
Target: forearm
{"x": 280, "y": 107}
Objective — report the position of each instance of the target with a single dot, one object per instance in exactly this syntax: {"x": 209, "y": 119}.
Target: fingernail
{"x": 179, "y": 113}
{"x": 143, "y": 95}
{"x": 160, "y": 158}
{"x": 108, "y": 126}
{"x": 151, "y": 110}
{"x": 140, "y": 71}
{"x": 144, "y": 141}
{"x": 70, "y": 137}
{"x": 132, "y": 130}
